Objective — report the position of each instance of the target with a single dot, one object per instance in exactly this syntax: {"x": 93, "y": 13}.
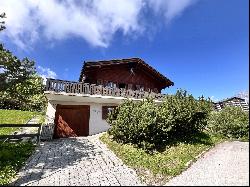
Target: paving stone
{"x": 73, "y": 162}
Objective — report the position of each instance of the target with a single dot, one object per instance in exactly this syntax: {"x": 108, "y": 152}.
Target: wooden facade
{"x": 132, "y": 74}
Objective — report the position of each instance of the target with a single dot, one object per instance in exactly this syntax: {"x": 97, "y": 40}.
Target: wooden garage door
{"x": 71, "y": 121}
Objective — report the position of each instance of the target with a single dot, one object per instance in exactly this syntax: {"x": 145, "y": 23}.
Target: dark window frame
{"x": 105, "y": 111}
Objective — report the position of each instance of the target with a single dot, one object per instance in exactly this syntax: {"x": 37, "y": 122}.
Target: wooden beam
{"x": 18, "y": 136}
{"x": 19, "y": 125}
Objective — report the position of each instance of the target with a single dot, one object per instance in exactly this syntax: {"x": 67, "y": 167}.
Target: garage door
{"x": 71, "y": 121}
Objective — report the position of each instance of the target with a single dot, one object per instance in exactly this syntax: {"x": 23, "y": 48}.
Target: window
{"x": 130, "y": 86}
{"x": 138, "y": 87}
{"x": 111, "y": 84}
{"x": 106, "y": 110}
{"x": 105, "y": 83}
{"x": 99, "y": 82}
{"x": 155, "y": 90}
{"x": 142, "y": 88}
{"x": 122, "y": 85}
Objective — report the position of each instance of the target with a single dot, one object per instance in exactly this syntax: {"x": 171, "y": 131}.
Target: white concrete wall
{"x": 96, "y": 123}
{"x": 50, "y": 113}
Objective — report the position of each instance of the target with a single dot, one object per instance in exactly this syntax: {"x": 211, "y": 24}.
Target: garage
{"x": 71, "y": 121}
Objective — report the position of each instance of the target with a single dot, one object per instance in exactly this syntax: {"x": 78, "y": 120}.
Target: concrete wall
{"x": 96, "y": 123}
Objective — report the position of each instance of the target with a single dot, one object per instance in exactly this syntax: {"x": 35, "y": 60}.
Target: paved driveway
{"x": 225, "y": 165}
{"x": 75, "y": 161}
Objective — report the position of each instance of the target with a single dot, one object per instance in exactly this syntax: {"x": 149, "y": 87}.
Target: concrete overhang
{"x": 75, "y": 97}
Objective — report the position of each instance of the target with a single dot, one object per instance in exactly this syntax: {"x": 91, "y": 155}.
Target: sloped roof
{"x": 103, "y": 63}
{"x": 230, "y": 98}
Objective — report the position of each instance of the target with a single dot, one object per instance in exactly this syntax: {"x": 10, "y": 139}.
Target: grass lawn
{"x": 12, "y": 158}
{"x": 16, "y": 117}
{"x": 159, "y": 167}
{"x": 14, "y": 154}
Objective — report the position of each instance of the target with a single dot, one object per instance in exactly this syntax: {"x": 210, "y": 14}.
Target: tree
{"x": 243, "y": 95}
{"x": 2, "y": 26}
{"x": 20, "y": 86}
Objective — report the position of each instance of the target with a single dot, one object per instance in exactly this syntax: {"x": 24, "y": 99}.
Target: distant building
{"x": 232, "y": 101}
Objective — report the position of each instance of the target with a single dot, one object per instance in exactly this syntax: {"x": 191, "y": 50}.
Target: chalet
{"x": 232, "y": 101}
{"x": 131, "y": 73}
{"x": 81, "y": 108}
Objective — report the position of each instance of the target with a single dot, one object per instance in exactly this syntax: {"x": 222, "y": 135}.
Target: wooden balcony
{"x": 57, "y": 85}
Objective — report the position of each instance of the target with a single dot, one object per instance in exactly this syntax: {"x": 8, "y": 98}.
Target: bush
{"x": 152, "y": 126}
{"x": 231, "y": 122}
{"x": 184, "y": 114}
{"x": 135, "y": 122}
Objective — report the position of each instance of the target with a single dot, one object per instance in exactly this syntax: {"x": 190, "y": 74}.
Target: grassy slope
{"x": 158, "y": 168}
{"x": 12, "y": 158}
{"x": 15, "y": 117}
{"x": 13, "y": 155}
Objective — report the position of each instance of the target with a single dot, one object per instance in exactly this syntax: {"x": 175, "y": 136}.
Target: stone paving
{"x": 30, "y": 130}
{"x": 73, "y": 162}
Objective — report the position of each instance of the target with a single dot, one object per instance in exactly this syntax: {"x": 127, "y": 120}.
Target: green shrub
{"x": 231, "y": 122}
{"x": 152, "y": 126}
{"x": 136, "y": 122}
{"x": 184, "y": 114}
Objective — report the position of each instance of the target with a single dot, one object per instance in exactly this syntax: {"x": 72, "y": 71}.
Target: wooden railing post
{"x": 92, "y": 89}
{"x": 86, "y": 88}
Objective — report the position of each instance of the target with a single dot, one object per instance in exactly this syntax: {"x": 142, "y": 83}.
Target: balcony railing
{"x": 57, "y": 85}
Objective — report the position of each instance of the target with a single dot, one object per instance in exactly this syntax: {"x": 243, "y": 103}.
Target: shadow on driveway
{"x": 54, "y": 156}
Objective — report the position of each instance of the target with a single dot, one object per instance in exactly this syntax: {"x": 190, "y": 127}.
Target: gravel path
{"x": 227, "y": 164}
{"x": 82, "y": 161}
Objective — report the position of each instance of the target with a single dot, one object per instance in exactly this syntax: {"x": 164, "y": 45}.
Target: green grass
{"x": 41, "y": 117}
{"x": 159, "y": 167}
{"x": 14, "y": 154}
{"x": 12, "y": 158}
{"x": 16, "y": 117}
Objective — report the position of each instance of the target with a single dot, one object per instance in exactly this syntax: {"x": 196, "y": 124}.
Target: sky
{"x": 200, "y": 45}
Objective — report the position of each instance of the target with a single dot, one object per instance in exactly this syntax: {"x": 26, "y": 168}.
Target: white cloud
{"x": 170, "y": 8}
{"x": 46, "y": 73}
{"x": 95, "y": 21}
{"x": 214, "y": 99}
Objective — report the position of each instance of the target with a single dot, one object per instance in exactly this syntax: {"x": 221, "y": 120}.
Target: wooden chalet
{"x": 81, "y": 108}
{"x": 132, "y": 73}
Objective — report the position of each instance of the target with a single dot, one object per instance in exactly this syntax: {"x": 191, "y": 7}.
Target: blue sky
{"x": 201, "y": 45}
